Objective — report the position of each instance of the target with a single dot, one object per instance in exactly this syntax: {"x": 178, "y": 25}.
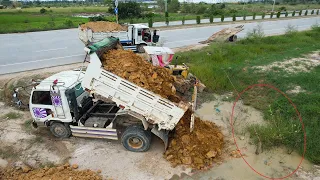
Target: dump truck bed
{"x": 87, "y": 36}
{"x": 129, "y": 96}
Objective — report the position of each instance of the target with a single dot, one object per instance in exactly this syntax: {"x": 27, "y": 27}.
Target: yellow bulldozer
{"x": 163, "y": 56}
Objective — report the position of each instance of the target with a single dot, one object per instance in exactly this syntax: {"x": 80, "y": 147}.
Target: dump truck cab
{"x": 50, "y": 99}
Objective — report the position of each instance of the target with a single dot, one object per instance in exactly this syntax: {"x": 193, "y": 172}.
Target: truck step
{"x": 106, "y": 133}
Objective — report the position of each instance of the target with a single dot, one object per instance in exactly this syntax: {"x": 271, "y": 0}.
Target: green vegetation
{"x": 211, "y": 18}
{"x": 219, "y": 61}
{"x": 11, "y": 115}
{"x": 198, "y": 20}
{"x": 25, "y": 22}
{"x": 150, "y": 22}
{"x": 127, "y": 10}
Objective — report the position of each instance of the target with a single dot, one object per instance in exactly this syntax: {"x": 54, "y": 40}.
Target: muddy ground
{"x": 38, "y": 148}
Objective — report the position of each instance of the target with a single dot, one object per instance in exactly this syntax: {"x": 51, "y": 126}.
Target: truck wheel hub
{"x": 59, "y": 130}
{"x": 135, "y": 142}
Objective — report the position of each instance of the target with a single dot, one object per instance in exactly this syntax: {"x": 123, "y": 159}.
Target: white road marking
{"x": 51, "y": 49}
{"x": 186, "y": 40}
{"x": 27, "y": 62}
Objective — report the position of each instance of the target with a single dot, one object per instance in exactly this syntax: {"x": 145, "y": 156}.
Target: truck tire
{"x": 60, "y": 130}
{"x": 233, "y": 38}
{"x": 136, "y": 139}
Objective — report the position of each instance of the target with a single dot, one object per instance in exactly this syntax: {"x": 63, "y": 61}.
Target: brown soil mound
{"x": 197, "y": 149}
{"x": 103, "y": 26}
{"x": 132, "y": 67}
{"x": 64, "y": 172}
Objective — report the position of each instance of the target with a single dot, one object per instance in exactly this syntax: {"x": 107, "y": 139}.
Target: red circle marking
{"x": 304, "y": 132}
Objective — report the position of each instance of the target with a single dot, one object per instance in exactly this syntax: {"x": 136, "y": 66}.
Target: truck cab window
{"x": 146, "y": 35}
{"x": 41, "y": 97}
{"x": 78, "y": 90}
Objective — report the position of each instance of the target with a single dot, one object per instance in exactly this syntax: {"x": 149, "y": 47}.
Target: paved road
{"x": 27, "y": 51}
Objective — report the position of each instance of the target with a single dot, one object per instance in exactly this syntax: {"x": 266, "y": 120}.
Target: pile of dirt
{"x": 63, "y": 172}
{"x": 103, "y": 26}
{"x": 134, "y": 68}
{"x": 198, "y": 149}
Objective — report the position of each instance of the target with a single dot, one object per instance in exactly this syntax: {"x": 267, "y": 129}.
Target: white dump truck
{"x": 135, "y": 37}
{"x": 99, "y": 104}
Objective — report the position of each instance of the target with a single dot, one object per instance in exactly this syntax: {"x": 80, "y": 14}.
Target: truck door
{"x": 41, "y": 105}
{"x": 138, "y": 33}
{"x": 57, "y": 102}
{"x": 130, "y": 34}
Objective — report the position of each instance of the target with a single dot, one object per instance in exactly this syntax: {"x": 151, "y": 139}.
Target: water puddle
{"x": 274, "y": 163}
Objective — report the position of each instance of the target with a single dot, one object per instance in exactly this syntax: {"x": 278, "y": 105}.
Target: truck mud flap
{"x": 163, "y": 135}
{"x": 90, "y": 132}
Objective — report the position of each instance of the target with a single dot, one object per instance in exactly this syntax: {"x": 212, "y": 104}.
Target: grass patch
{"x": 27, "y": 125}
{"x": 11, "y": 115}
{"x": 220, "y": 61}
{"x": 8, "y": 152}
{"x": 37, "y": 139}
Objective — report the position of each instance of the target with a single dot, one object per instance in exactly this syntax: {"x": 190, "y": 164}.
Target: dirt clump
{"x": 197, "y": 149}
{"x": 63, "y": 172}
{"x": 103, "y": 26}
{"x": 135, "y": 69}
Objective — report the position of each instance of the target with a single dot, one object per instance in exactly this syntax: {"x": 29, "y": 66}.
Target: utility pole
{"x": 166, "y": 6}
{"x": 274, "y": 1}
{"x": 116, "y": 10}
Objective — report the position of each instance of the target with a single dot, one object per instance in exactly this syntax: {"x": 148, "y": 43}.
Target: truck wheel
{"x": 136, "y": 139}
{"x": 140, "y": 48}
{"x": 60, "y": 130}
{"x": 233, "y": 38}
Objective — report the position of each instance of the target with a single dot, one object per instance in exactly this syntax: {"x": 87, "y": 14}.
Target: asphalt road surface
{"x": 34, "y": 50}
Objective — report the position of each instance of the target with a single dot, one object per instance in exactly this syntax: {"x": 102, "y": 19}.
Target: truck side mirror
{"x": 155, "y": 38}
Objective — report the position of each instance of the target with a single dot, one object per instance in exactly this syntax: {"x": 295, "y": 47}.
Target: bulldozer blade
{"x": 163, "y": 135}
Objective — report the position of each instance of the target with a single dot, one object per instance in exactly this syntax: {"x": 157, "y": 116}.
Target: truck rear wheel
{"x": 136, "y": 139}
{"x": 60, "y": 130}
